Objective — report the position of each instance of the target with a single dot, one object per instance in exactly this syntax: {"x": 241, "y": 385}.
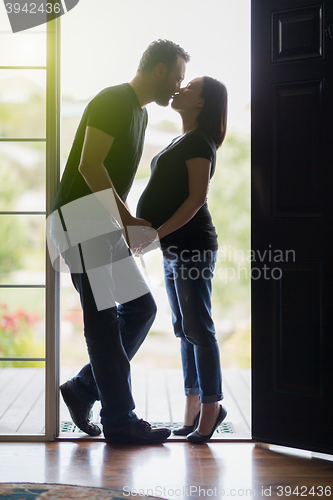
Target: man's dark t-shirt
{"x": 117, "y": 112}
{"x": 168, "y": 188}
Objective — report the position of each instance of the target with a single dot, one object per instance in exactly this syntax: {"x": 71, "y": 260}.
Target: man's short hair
{"x": 161, "y": 51}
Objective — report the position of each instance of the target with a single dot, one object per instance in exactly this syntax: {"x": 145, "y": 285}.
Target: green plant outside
{"x": 18, "y": 337}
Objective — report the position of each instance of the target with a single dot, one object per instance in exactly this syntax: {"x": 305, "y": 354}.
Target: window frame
{"x": 52, "y": 279}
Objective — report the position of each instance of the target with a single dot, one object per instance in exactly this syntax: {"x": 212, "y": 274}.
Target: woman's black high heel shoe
{"x": 197, "y": 438}
{"x": 187, "y": 429}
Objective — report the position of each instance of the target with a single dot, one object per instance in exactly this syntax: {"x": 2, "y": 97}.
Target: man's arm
{"x": 96, "y": 147}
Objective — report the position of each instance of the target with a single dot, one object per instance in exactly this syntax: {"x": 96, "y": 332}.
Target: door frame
{"x": 52, "y": 301}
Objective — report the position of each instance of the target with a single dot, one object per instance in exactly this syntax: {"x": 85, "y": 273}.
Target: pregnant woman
{"x": 174, "y": 201}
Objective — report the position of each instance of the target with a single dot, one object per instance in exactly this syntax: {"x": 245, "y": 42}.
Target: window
{"x": 29, "y": 117}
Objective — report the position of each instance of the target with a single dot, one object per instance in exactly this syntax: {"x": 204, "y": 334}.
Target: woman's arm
{"x": 198, "y": 180}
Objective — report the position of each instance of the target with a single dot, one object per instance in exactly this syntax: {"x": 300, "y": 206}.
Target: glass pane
{"x": 23, "y": 49}
{"x": 22, "y": 176}
{"x": 22, "y": 249}
{"x": 22, "y": 103}
{"x": 6, "y": 27}
{"x": 22, "y": 323}
{"x": 22, "y": 398}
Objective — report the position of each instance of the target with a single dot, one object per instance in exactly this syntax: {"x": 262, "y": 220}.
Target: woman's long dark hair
{"x": 213, "y": 116}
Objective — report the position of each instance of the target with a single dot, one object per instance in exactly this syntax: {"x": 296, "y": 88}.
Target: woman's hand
{"x": 149, "y": 242}
{"x": 134, "y": 232}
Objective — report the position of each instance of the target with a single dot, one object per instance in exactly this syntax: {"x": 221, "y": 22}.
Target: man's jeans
{"x": 113, "y": 334}
{"x": 188, "y": 285}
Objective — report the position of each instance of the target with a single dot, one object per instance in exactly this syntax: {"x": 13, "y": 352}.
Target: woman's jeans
{"x": 118, "y": 311}
{"x": 188, "y": 284}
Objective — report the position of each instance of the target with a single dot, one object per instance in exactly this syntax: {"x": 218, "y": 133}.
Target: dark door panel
{"x": 292, "y": 165}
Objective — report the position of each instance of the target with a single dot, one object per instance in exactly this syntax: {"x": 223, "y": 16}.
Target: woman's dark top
{"x": 168, "y": 188}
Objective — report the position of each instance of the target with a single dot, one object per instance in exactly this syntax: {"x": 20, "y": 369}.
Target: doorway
{"x": 219, "y": 45}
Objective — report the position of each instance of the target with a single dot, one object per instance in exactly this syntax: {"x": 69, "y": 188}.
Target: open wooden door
{"x": 292, "y": 230}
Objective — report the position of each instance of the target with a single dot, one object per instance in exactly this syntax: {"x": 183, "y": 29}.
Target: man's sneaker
{"x": 79, "y": 411}
{"x": 141, "y": 432}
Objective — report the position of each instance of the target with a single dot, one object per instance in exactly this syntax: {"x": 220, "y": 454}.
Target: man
{"x": 118, "y": 308}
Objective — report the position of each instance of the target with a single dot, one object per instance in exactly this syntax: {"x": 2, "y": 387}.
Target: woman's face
{"x": 189, "y": 97}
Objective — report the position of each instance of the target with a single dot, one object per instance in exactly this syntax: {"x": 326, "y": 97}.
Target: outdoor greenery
{"x": 22, "y": 188}
{"x": 11, "y": 247}
{"x": 22, "y": 110}
{"x": 18, "y": 338}
{"x": 229, "y": 203}
{"x": 22, "y": 237}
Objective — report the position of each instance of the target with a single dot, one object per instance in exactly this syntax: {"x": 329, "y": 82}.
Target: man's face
{"x": 170, "y": 83}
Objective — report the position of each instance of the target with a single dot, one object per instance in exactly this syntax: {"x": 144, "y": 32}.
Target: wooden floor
{"x": 171, "y": 470}
{"x": 22, "y": 400}
{"x": 158, "y": 395}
